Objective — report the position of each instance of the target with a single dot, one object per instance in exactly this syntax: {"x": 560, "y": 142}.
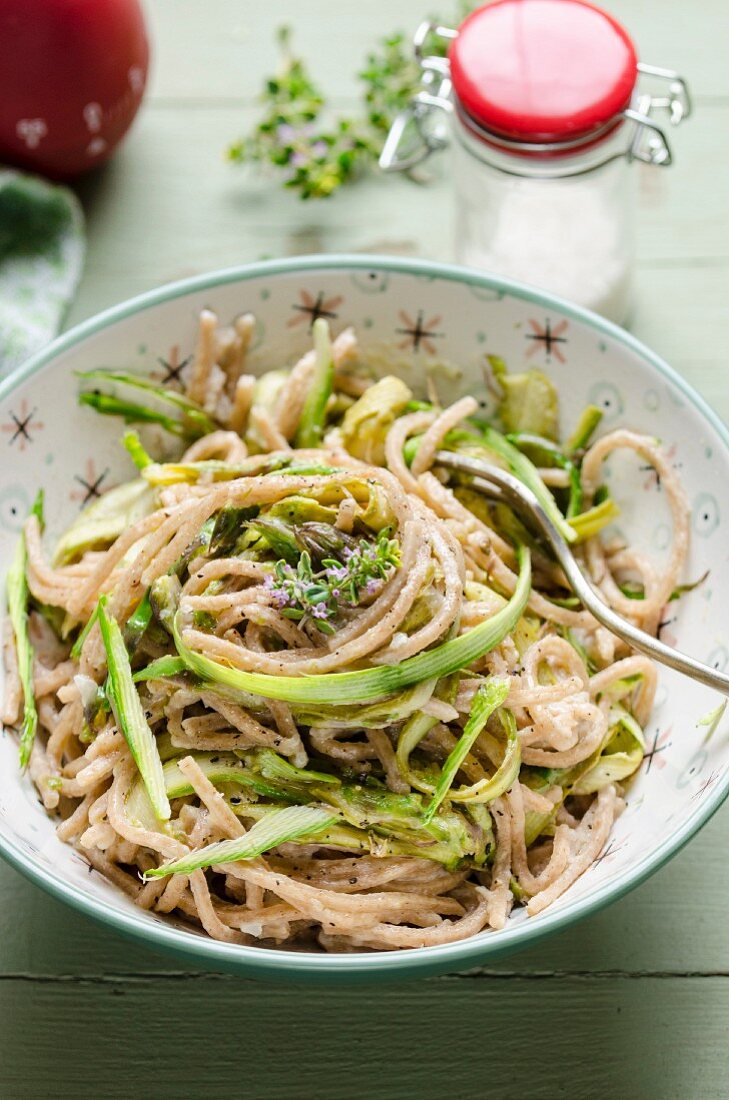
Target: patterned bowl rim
{"x": 380, "y": 965}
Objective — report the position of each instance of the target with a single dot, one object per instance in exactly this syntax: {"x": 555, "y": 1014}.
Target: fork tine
{"x": 491, "y": 479}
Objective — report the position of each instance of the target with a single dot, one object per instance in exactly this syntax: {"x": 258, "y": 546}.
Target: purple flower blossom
{"x": 298, "y": 160}
{"x": 316, "y": 595}
{"x": 285, "y": 133}
{"x": 319, "y": 149}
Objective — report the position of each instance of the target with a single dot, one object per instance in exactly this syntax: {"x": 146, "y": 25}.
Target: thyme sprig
{"x": 305, "y": 595}
{"x": 315, "y": 153}
{"x": 315, "y": 159}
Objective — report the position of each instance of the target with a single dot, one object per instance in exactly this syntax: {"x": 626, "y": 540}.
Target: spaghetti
{"x": 301, "y": 689}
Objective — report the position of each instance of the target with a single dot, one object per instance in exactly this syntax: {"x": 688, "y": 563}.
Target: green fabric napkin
{"x": 42, "y": 246}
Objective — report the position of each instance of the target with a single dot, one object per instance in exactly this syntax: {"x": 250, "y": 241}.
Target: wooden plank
{"x": 628, "y": 1037}
{"x": 675, "y": 923}
{"x": 224, "y": 48}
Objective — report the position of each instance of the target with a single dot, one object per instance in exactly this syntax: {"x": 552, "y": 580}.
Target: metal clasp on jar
{"x": 649, "y": 143}
{"x": 421, "y": 128}
{"x": 422, "y": 119}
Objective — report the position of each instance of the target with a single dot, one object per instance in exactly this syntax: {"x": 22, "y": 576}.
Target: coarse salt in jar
{"x": 546, "y": 117}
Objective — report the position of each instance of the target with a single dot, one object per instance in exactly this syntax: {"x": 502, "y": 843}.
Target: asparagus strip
{"x": 129, "y": 713}
{"x": 138, "y": 622}
{"x": 311, "y": 425}
{"x": 486, "y": 790}
{"x": 191, "y": 423}
{"x": 371, "y": 683}
{"x": 278, "y": 827}
{"x": 522, "y": 468}
{"x": 162, "y": 393}
{"x": 553, "y": 456}
{"x": 102, "y": 521}
{"x": 17, "y": 598}
{"x": 139, "y": 456}
{"x": 160, "y": 669}
{"x": 79, "y": 643}
{"x": 225, "y": 767}
{"x": 589, "y": 523}
{"x": 586, "y": 426}
{"x": 487, "y": 699}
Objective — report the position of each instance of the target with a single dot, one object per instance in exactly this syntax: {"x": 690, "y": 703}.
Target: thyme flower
{"x": 304, "y": 595}
{"x": 316, "y": 155}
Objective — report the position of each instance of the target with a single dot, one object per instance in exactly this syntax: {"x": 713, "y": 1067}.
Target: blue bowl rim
{"x": 302, "y": 966}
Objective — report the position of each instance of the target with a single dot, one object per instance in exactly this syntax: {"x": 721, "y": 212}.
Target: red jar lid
{"x": 542, "y": 70}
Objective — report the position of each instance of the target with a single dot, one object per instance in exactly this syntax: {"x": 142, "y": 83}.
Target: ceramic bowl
{"x": 410, "y": 316}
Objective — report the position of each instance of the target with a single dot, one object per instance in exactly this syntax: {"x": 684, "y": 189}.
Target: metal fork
{"x": 499, "y": 485}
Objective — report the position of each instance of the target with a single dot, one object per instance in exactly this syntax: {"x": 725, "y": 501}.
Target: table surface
{"x": 632, "y": 1001}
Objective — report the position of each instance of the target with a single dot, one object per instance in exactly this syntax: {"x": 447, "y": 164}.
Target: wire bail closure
{"x": 421, "y": 128}
{"x": 419, "y": 116}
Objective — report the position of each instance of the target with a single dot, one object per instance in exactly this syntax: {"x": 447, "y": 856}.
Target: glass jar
{"x": 539, "y": 101}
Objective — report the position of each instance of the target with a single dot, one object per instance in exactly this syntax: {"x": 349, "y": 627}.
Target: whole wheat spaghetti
{"x": 299, "y": 688}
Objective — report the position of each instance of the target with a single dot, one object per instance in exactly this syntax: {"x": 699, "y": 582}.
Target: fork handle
{"x": 518, "y": 496}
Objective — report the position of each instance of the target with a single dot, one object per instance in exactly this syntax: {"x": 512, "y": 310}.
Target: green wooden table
{"x": 633, "y": 1002}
